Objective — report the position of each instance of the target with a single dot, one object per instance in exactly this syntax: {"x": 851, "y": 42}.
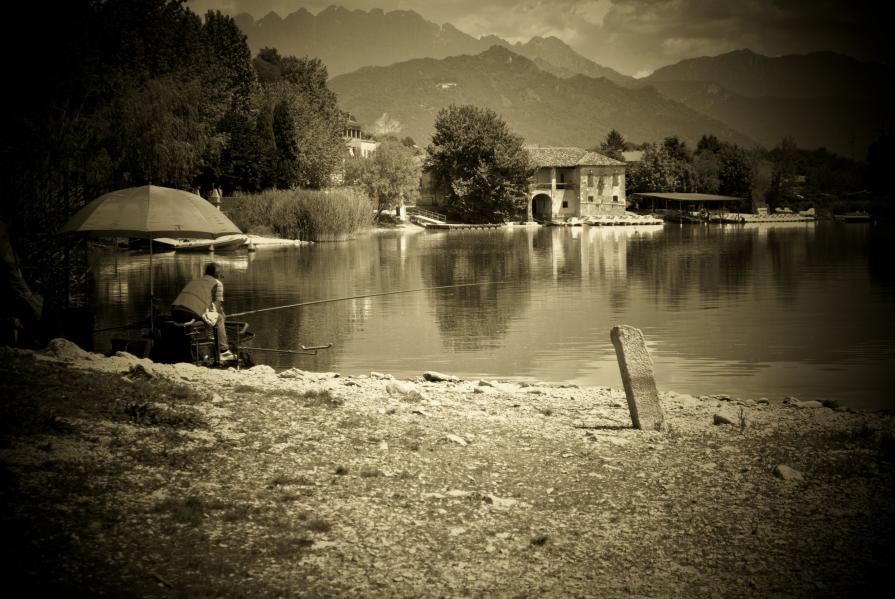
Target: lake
{"x": 768, "y": 310}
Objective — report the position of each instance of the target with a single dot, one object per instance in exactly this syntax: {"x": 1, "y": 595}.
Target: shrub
{"x": 332, "y": 215}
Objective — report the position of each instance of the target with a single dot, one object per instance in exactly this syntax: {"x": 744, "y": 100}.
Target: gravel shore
{"x": 126, "y": 477}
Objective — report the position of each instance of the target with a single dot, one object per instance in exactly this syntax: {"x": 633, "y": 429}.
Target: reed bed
{"x": 309, "y": 215}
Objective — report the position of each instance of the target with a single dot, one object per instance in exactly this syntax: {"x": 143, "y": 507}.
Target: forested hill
{"x": 545, "y": 109}
{"x": 820, "y": 99}
{"x": 346, "y": 40}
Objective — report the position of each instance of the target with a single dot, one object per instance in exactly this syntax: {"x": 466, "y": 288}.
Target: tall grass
{"x": 334, "y": 215}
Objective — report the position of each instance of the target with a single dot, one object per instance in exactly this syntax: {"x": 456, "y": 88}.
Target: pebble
{"x": 721, "y": 419}
{"x": 784, "y": 472}
{"x": 438, "y": 377}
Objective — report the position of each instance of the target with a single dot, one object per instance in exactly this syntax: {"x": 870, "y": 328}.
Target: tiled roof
{"x": 567, "y": 157}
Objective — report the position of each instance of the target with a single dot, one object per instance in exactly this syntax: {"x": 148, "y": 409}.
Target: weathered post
{"x": 636, "y": 368}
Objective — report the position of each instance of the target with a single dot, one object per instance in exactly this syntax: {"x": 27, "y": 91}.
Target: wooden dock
{"x": 456, "y": 226}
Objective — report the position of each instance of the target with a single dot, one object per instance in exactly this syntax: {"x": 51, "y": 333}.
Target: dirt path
{"x": 123, "y": 476}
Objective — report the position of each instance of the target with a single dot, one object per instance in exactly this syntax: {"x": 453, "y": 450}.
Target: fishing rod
{"x": 311, "y": 351}
{"x": 351, "y": 297}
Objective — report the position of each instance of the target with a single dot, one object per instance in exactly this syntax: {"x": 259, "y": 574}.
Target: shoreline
{"x": 166, "y": 479}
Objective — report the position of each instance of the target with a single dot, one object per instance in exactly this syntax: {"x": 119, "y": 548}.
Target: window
{"x": 590, "y": 199}
{"x": 614, "y": 198}
{"x": 565, "y": 204}
{"x": 590, "y": 179}
{"x": 615, "y": 180}
{"x": 562, "y": 177}
{"x": 600, "y": 185}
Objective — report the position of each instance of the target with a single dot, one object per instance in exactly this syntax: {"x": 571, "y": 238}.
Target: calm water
{"x": 752, "y": 311}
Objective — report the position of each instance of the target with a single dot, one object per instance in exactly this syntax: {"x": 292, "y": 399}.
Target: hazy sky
{"x": 637, "y": 36}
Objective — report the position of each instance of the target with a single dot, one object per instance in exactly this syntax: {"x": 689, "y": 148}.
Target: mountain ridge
{"x": 541, "y": 107}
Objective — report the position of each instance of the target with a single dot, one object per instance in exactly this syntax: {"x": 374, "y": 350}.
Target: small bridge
{"x": 422, "y": 216}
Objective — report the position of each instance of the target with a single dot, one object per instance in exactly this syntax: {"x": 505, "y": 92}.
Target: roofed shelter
{"x": 684, "y": 203}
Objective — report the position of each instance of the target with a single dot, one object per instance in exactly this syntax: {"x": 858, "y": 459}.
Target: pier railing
{"x": 416, "y": 210}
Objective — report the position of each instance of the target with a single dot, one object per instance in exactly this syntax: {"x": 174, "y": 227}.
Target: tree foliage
{"x": 389, "y": 177}
{"x": 614, "y": 145}
{"x": 128, "y": 92}
{"x": 480, "y": 163}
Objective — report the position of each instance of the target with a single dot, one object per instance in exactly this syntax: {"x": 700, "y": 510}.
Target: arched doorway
{"x": 542, "y": 207}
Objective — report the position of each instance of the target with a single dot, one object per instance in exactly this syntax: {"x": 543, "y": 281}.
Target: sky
{"x": 635, "y": 37}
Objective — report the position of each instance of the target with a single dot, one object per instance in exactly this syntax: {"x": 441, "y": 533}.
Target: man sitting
{"x": 200, "y": 295}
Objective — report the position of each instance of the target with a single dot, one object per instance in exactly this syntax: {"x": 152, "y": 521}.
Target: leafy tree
{"x": 657, "y": 171}
{"x": 677, "y": 149}
{"x": 708, "y": 143}
{"x": 784, "y": 159}
{"x": 735, "y": 172}
{"x": 318, "y": 124}
{"x": 408, "y": 141}
{"x": 614, "y": 145}
{"x": 479, "y": 162}
{"x": 390, "y": 176}
{"x": 707, "y": 167}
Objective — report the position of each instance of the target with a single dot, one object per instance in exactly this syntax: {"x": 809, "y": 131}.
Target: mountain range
{"x": 551, "y": 94}
{"x": 545, "y": 109}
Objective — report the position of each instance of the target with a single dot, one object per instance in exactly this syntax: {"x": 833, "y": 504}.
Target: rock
{"x": 721, "y": 419}
{"x": 784, "y": 472}
{"x": 763, "y": 401}
{"x": 65, "y": 350}
{"x": 830, "y": 403}
{"x": 809, "y": 404}
{"x": 215, "y": 398}
{"x": 399, "y": 388}
{"x": 486, "y": 384}
{"x": 379, "y": 375}
{"x": 292, "y": 373}
{"x": 636, "y": 369}
{"x": 748, "y": 402}
{"x": 438, "y": 377}
{"x": 260, "y": 369}
{"x": 458, "y": 440}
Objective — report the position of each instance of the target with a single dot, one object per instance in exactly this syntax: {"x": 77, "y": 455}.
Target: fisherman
{"x": 203, "y": 299}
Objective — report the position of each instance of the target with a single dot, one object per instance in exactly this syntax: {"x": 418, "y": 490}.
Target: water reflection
{"x": 753, "y": 310}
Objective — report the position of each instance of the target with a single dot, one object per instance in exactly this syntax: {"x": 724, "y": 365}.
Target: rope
{"x": 351, "y": 297}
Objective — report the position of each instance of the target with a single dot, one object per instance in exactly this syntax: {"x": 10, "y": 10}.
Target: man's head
{"x": 212, "y": 270}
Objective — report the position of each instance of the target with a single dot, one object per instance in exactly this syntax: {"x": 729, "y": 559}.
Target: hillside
{"x": 819, "y": 74}
{"x": 543, "y": 108}
{"x": 820, "y": 99}
{"x": 845, "y": 125}
{"x": 346, "y": 40}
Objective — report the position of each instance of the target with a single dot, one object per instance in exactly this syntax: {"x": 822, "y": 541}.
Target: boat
{"x": 853, "y": 217}
{"x": 225, "y": 243}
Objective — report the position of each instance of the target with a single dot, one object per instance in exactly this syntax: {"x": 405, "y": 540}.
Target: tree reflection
{"x": 474, "y": 317}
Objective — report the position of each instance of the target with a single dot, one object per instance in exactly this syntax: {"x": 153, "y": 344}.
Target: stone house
{"x": 575, "y": 182}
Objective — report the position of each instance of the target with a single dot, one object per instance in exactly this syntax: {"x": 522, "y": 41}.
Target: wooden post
{"x": 636, "y": 368}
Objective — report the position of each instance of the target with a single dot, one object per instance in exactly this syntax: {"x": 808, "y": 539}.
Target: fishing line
{"x": 351, "y": 297}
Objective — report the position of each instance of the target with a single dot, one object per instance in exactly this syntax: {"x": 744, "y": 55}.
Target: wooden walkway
{"x": 455, "y": 226}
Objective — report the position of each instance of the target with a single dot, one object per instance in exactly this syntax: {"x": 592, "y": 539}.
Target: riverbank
{"x": 126, "y": 477}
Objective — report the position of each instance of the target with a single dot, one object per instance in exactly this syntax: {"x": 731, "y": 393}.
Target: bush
{"x": 304, "y": 214}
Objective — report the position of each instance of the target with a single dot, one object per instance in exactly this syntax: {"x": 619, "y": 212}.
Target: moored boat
{"x": 224, "y": 243}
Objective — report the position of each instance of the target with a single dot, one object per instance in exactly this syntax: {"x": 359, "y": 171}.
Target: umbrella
{"x": 149, "y": 212}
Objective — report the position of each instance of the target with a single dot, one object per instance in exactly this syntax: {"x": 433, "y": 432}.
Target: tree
{"x": 390, "y": 176}
{"x": 656, "y": 171}
{"x": 318, "y": 124}
{"x": 735, "y": 172}
{"x": 784, "y": 167}
{"x": 613, "y": 146}
{"x": 708, "y": 143}
{"x": 479, "y": 162}
{"x": 707, "y": 167}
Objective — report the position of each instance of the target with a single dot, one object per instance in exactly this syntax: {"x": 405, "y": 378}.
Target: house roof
{"x": 566, "y": 157}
